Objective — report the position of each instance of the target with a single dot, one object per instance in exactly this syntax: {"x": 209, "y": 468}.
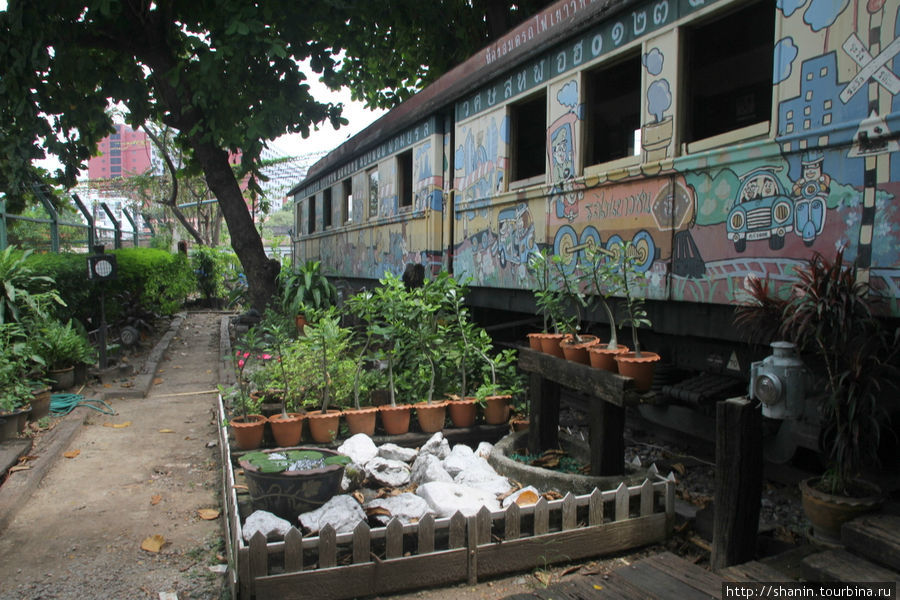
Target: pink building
{"x": 125, "y": 152}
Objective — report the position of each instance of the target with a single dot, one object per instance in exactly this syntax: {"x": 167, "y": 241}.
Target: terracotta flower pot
{"x": 534, "y": 341}
{"x": 640, "y": 369}
{"x": 519, "y": 424}
{"x": 287, "y": 430}
{"x": 323, "y": 427}
{"x": 431, "y": 416}
{"x": 248, "y": 431}
{"x": 496, "y": 409}
{"x": 361, "y": 420}
{"x": 828, "y": 512}
{"x": 602, "y": 357}
{"x": 578, "y": 352}
{"x": 462, "y": 412}
{"x": 550, "y": 344}
{"x": 395, "y": 419}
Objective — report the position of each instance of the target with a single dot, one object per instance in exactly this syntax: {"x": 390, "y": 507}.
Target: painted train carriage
{"x": 724, "y": 138}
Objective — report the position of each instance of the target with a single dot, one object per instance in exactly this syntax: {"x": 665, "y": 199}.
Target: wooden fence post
{"x": 738, "y": 482}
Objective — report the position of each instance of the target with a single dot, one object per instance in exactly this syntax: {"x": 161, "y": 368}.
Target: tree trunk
{"x": 245, "y": 239}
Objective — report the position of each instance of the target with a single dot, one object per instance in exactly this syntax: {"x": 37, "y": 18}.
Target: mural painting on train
{"x": 816, "y": 190}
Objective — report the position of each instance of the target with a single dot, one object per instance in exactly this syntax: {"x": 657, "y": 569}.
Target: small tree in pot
{"x": 638, "y": 364}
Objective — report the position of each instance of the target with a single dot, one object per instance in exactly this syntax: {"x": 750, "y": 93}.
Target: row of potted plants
{"x": 37, "y": 350}
{"x": 404, "y": 349}
{"x": 564, "y": 293}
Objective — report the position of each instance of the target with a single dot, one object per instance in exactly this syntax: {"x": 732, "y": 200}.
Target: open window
{"x": 347, "y": 204}
{"x": 326, "y": 208}
{"x": 528, "y": 135}
{"x": 372, "y": 178}
{"x": 405, "y": 179}
{"x": 311, "y": 215}
{"x": 613, "y": 111}
{"x": 728, "y": 62}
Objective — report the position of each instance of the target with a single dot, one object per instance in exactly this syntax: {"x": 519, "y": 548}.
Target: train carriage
{"x": 724, "y": 138}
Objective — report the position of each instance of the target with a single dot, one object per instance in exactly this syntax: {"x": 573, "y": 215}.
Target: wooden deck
{"x": 871, "y": 554}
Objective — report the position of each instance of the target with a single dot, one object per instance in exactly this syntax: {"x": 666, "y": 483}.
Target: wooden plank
{"x": 472, "y": 550}
{"x": 484, "y": 525}
{"x": 738, "y": 482}
{"x": 258, "y": 558}
{"x": 245, "y": 581}
{"x": 609, "y": 386}
{"x": 293, "y": 550}
{"x": 362, "y": 544}
{"x": 644, "y": 576}
{"x": 876, "y": 537}
{"x": 694, "y": 576}
{"x": 426, "y": 534}
{"x": 541, "y": 517}
{"x": 367, "y": 579}
{"x": 394, "y": 539}
{"x": 327, "y": 547}
{"x": 569, "y": 516}
{"x": 622, "y": 500}
{"x": 567, "y": 546}
{"x": 512, "y": 525}
{"x": 544, "y": 402}
{"x": 606, "y": 437}
{"x": 646, "y": 498}
{"x": 457, "y": 531}
{"x": 752, "y": 571}
{"x": 595, "y": 508}
{"x": 840, "y": 565}
{"x": 614, "y": 586}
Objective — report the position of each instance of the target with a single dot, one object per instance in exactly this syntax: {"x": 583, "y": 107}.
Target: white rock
{"x": 483, "y": 480}
{"x": 428, "y": 467}
{"x": 389, "y": 473}
{"x": 445, "y": 499}
{"x": 437, "y": 446}
{"x": 341, "y": 512}
{"x": 484, "y": 450}
{"x": 360, "y": 448}
{"x": 353, "y": 477}
{"x": 407, "y": 507}
{"x": 272, "y": 526}
{"x": 395, "y": 452}
{"x": 461, "y": 458}
{"x": 512, "y": 497}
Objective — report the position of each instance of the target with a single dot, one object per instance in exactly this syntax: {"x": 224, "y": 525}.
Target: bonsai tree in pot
{"x": 502, "y": 383}
{"x": 833, "y": 318}
{"x": 287, "y": 427}
{"x": 638, "y": 364}
{"x": 549, "y": 301}
{"x": 575, "y": 345}
{"x": 424, "y": 334}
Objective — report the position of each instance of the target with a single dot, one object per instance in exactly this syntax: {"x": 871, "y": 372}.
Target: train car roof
{"x": 565, "y": 17}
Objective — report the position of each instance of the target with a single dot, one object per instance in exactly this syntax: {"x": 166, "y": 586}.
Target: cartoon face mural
{"x": 762, "y": 210}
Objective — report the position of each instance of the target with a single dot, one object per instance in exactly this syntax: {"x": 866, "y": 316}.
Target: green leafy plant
{"x": 23, "y": 294}
{"x": 306, "y": 288}
{"x": 248, "y": 347}
{"x": 209, "y": 269}
{"x": 572, "y": 299}
{"x": 548, "y": 297}
{"x": 17, "y": 359}
{"x": 62, "y": 345}
{"x": 631, "y": 278}
{"x": 600, "y": 277}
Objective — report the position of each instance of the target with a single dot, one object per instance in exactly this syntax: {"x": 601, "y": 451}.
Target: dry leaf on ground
{"x": 208, "y": 514}
{"x": 118, "y": 425}
{"x": 71, "y": 453}
{"x": 155, "y": 499}
{"x": 167, "y": 431}
{"x": 154, "y": 543}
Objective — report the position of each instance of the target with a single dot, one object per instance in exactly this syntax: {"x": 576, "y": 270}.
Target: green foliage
{"x": 17, "y": 360}
{"x": 63, "y": 345}
{"x": 160, "y": 280}
{"x": 573, "y": 298}
{"x": 630, "y": 278}
{"x": 306, "y": 288}
{"x": 602, "y": 282}
{"x": 209, "y": 269}
{"x": 23, "y": 293}
{"x": 548, "y": 296}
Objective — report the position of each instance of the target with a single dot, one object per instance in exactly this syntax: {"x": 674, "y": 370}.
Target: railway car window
{"x": 613, "y": 112}
{"x": 372, "y": 177}
{"x": 326, "y": 208}
{"x": 528, "y": 135}
{"x": 347, "y": 204}
{"x": 405, "y": 178}
{"x": 311, "y": 216}
{"x": 729, "y": 71}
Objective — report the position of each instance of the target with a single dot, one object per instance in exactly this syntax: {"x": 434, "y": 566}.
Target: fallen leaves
{"x": 167, "y": 431}
{"x": 527, "y": 498}
{"x": 118, "y": 425}
{"x": 154, "y": 543}
{"x": 208, "y": 514}
{"x": 155, "y": 499}
{"x": 71, "y": 453}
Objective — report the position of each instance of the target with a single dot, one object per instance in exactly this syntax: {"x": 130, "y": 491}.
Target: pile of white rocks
{"x": 445, "y": 481}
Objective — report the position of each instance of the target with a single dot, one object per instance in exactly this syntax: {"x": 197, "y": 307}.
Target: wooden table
{"x": 609, "y": 393}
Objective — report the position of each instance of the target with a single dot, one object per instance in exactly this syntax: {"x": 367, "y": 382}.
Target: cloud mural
{"x": 785, "y": 53}
{"x": 659, "y": 98}
{"x": 653, "y": 61}
{"x": 788, "y": 7}
{"x": 568, "y": 95}
{"x": 822, "y": 13}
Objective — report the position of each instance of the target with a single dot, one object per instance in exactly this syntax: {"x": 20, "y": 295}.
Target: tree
{"x": 227, "y": 75}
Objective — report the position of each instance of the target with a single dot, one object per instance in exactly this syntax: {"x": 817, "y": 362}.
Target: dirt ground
{"x": 144, "y": 471}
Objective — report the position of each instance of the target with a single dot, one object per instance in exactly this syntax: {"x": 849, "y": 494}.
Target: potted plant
{"x": 16, "y": 360}
{"x": 361, "y": 417}
{"x": 305, "y": 289}
{"x": 426, "y": 334}
{"x": 463, "y": 354}
{"x": 62, "y": 347}
{"x": 247, "y": 425}
{"x": 287, "y": 427}
{"x": 290, "y": 481}
{"x": 503, "y": 384}
{"x": 833, "y": 319}
{"x": 575, "y": 344}
{"x": 639, "y": 364}
{"x": 600, "y": 277}
{"x": 550, "y": 303}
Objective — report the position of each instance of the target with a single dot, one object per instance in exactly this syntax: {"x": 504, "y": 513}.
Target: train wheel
{"x": 590, "y": 239}
{"x": 564, "y": 246}
{"x": 644, "y": 250}
{"x": 614, "y": 247}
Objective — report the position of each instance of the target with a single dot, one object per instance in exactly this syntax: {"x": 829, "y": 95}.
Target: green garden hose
{"x": 63, "y": 404}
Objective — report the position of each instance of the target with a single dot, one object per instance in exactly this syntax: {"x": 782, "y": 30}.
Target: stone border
{"x": 548, "y": 479}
